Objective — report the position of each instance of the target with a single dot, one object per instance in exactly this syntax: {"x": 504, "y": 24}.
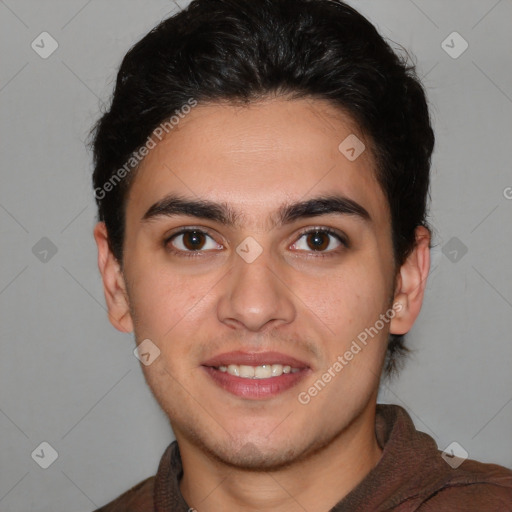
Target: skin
{"x": 274, "y": 454}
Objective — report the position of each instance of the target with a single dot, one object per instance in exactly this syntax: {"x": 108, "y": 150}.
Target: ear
{"x": 114, "y": 285}
{"x": 411, "y": 283}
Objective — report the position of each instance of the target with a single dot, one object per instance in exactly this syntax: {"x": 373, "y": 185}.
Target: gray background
{"x": 68, "y": 378}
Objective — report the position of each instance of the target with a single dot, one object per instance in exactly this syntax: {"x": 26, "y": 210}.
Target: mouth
{"x": 253, "y": 375}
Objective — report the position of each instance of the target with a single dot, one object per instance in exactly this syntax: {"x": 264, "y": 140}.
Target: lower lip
{"x": 255, "y": 388}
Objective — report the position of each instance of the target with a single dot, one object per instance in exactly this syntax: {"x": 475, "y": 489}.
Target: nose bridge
{"x": 255, "y": 295}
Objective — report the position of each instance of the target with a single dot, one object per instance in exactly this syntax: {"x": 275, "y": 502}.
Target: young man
{"x": 261, "y": 178}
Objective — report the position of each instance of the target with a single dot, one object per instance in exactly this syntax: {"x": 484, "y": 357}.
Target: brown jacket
{"x": 410, "y": 476}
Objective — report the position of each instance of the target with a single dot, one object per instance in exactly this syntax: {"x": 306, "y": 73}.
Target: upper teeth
{"x": 257, "y": 372}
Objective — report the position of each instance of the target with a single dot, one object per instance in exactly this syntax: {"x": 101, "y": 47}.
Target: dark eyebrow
{"x": 172, "y": 205}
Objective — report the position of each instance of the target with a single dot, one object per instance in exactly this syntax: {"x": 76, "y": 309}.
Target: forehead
{"x": 258, "y": 156}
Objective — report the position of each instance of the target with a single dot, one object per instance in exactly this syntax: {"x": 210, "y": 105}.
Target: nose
{"x": 256, "y": 295}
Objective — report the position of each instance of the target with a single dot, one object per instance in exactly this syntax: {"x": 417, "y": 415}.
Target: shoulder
{"x": 474, "y": 486}
{"x": 137, "y": 499}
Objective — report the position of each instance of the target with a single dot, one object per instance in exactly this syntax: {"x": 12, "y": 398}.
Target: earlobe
{"x": 411, "y": 283}
{"x": 114, "y": 286}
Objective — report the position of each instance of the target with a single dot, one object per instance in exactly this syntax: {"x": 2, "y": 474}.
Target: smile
{"x": 264, "y": 371}
{"x": 253, "y": 375}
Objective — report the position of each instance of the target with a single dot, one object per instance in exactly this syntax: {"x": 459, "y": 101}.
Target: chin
{"x": 261, "y": 452}
{"x": 253, "y": 457}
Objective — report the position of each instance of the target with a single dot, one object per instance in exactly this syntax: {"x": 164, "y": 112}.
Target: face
{"x": 244, "y": 283}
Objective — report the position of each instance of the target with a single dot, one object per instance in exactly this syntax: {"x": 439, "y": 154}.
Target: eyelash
{"x": 314, "y": 254}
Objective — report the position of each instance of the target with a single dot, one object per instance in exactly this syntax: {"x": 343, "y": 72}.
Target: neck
{"x": 317, "y": 483}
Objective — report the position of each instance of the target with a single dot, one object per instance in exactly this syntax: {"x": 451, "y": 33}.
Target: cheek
{"x": 160, "y": 298}
{"x": 348, "y": 298}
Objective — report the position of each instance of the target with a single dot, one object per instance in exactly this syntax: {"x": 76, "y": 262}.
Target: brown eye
{"x": 320, "y": 241}
{"x": 191, "y": 240}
